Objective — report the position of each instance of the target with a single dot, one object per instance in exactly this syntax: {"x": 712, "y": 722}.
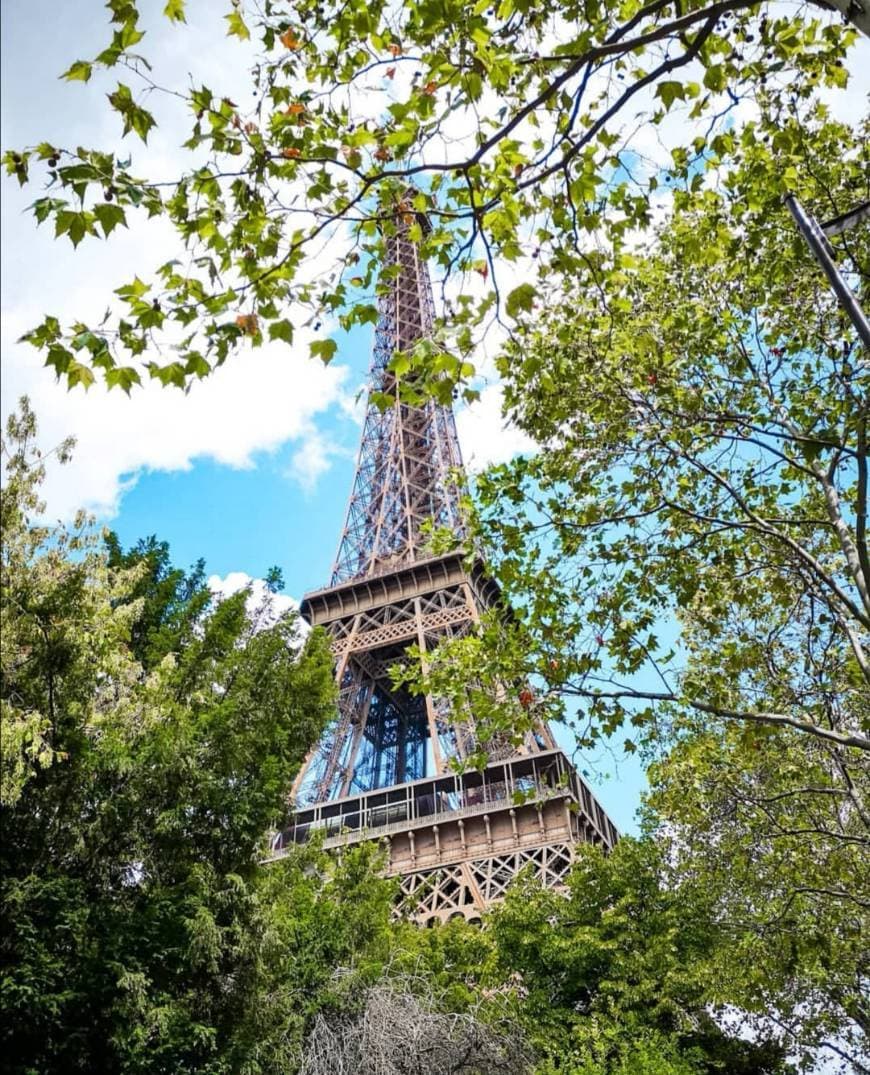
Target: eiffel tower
{"x": 389, "y": 767}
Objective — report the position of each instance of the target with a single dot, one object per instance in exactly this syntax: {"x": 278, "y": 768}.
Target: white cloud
{"x": 261, "y": 603}
{"x": 484, "y": 434}
{"x": 255, "y": 403}
{"x": 259, "y": 401}
{"x": 311, "y": 460}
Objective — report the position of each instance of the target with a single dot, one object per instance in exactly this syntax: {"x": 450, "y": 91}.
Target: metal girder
{"x": 404, "y": 475}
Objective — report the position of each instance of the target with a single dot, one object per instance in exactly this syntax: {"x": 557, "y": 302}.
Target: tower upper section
{"x": 408, "y": 455}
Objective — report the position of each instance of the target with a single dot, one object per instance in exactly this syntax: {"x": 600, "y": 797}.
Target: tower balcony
{"x": 516, "y": 803}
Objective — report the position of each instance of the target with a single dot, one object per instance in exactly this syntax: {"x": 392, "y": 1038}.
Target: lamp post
{"x": 816, "y": 236}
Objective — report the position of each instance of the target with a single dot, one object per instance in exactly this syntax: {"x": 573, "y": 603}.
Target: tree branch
{"x": 776, "y": 720}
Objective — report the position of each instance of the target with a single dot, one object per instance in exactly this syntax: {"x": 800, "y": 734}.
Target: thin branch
{"x": 776, "y": 720}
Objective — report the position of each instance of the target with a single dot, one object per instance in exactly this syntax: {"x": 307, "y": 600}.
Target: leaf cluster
{"x": 495, "y": 134}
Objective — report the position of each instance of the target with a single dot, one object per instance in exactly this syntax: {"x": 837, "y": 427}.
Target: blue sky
{"x": 250, "y": 518}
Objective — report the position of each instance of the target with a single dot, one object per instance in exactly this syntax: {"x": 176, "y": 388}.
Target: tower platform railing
{"x": 515, "y": 782}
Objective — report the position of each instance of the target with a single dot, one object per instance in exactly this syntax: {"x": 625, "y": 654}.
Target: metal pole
{"x": 817, "y": 242}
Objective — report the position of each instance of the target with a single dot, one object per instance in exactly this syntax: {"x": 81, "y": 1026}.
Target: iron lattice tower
{"x": 387, "y": 766}
{"x": 404, "y": 476}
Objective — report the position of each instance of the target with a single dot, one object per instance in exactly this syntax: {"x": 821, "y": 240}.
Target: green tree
{"x": 172, "y": 600}
{"x": 140, "y": 930}
{"x": 703, "y": 412}
{"x": 772, "y": 825}
{"x": 514, "y": 121}
{"x": 612, "y": 976}
{"x": 703, "y": 418}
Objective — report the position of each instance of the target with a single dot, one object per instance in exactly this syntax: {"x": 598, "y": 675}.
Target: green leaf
{"x": 16, "y": 164}
{"x": 281, "y": 330}
{"x": 716, "y": 78}
{"x": 400, "y": 365}
{"x": 109, "y": 216}
{"x": 172, "y": 373}
{"x": 123, "y": 377}
{"x": 237, "y": 26}
{"x": 135, "y": 117}
{"x": 197, "y": 365}
{"x": 76, "y": 225}
{"x": 324, "y": 350}
{"x": 520, "y": 299}
{"x": 131, "y": 292}
{"x": 58, "y": 358}
{"x": 80, "y": 71}
{"x": 122, "y": 10}
{"x": 670, "y": 92}
{"x": 129, "y": 34}
{"x": 77, "y": 374}
{"x": 123, "y": 39}
{"x": 382, "y": 400}
{"x": 174, "y": 10}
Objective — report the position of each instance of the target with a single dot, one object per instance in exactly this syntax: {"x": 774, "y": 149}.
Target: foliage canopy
{"x": 518, "y": 125}
{"x": 702, "y": 409}
{"x": 150, "y": 737}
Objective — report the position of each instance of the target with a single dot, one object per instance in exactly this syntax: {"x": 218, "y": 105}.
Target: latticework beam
{"x": 408, "y": 454}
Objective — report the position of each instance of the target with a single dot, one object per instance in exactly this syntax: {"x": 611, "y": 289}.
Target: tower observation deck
{"x": 386, "y": 768}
